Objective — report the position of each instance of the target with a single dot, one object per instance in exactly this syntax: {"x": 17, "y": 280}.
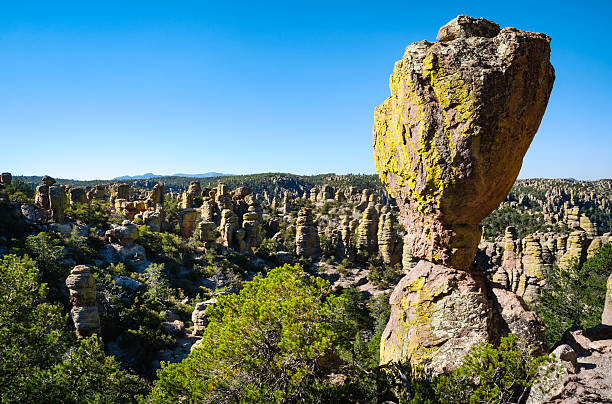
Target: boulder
{"x": 442, "y": 139}
{"x": 438, "y": 314}
{"x": 125, "y": 234}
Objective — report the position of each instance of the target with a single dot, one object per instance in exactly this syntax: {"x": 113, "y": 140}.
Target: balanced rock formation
{"x": 84, "y": 312}
{"x": 448, "y": 145}
{"x": 449, "y": 141}
{"x": 52, "y": 199}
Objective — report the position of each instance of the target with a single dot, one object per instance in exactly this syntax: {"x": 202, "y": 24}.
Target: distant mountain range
{"x": 151, "y": 175}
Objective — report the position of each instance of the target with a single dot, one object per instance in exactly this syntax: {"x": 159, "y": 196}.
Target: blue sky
{"x": 113, "y": 88}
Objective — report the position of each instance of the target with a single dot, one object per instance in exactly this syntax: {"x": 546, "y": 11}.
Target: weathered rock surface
{"x": 367, "y": 232}
{"x": 583, "y": 372}
{"x": 198, "y": 317}
{"x": 389, "y": 245}
{"x": 192, "y": 196}
{"x": 77, "y": 195}
{"x": 119, "y": 191}
{"x": 84, "y": 312}
{"x": 442, "y": 139}
{"x": 439, "y": 313}
{"x": 189, "y": 218}
{"x": 606, "y": 315}
{"x": 58, "y": 201}
{"x": 306, "y": 235}
{"x": 125, "y": 234}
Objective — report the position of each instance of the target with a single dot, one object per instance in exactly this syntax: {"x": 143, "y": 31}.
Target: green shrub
{"x": 575, "y": 296}
{"x": 19, "y": 191}
{"x": 491, "y": 374}
{"x": 94, "y": 214}
{"x": 269, "y": 343}
{"x": 40, "y": 360}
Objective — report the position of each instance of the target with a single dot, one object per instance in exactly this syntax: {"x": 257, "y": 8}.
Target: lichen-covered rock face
{"x": 437, "y": 315}
{"x": 449, "y": 141}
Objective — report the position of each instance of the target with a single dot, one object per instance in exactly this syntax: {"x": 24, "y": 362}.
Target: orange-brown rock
{"x": 449, "y": 141}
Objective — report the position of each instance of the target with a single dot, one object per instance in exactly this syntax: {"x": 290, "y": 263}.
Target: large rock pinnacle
{"x": 449, "y": 141}
{"x": 448, "y": 144}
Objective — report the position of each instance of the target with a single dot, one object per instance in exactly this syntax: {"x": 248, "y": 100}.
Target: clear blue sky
{"x": 113, "y": 88}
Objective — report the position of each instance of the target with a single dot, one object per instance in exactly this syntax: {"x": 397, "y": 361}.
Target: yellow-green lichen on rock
{"x": 448, "y": 145}
{"x": 435, "y": 312}
{"x": 450, "y": 139}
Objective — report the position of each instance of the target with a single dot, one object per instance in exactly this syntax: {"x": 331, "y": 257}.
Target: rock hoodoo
{"x": 449, "y": 141}
{"x": 84, "y": 313}
{"x": 448, "y": 145}
{"x": 306, "y": 235}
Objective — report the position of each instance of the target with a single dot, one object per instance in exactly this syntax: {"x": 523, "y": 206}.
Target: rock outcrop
{"x": 189, "y": 218}
{"x": 198, "y": 316}
{"x": 192, "y": 198}
{"x": 448, "y": 145}
{"x": 436, "y": 312}
{"x": 606, "y": 316}
{"x": 6, "y": 178}
{"x": 367, "y": 232}
{"x": 125, "y": 234}
{"x": 77, "y": 195}
{"x": 389, "y": 245}
{"x": 119, "y": 191}
{"x": 442, "y": 139}
{"x": 306, "y": 235}
{"x": 84, "y": 312}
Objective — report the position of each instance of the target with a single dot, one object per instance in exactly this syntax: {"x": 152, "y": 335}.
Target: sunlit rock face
{"x": 449, "y": 141}
{"x": 448, "y": 145}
